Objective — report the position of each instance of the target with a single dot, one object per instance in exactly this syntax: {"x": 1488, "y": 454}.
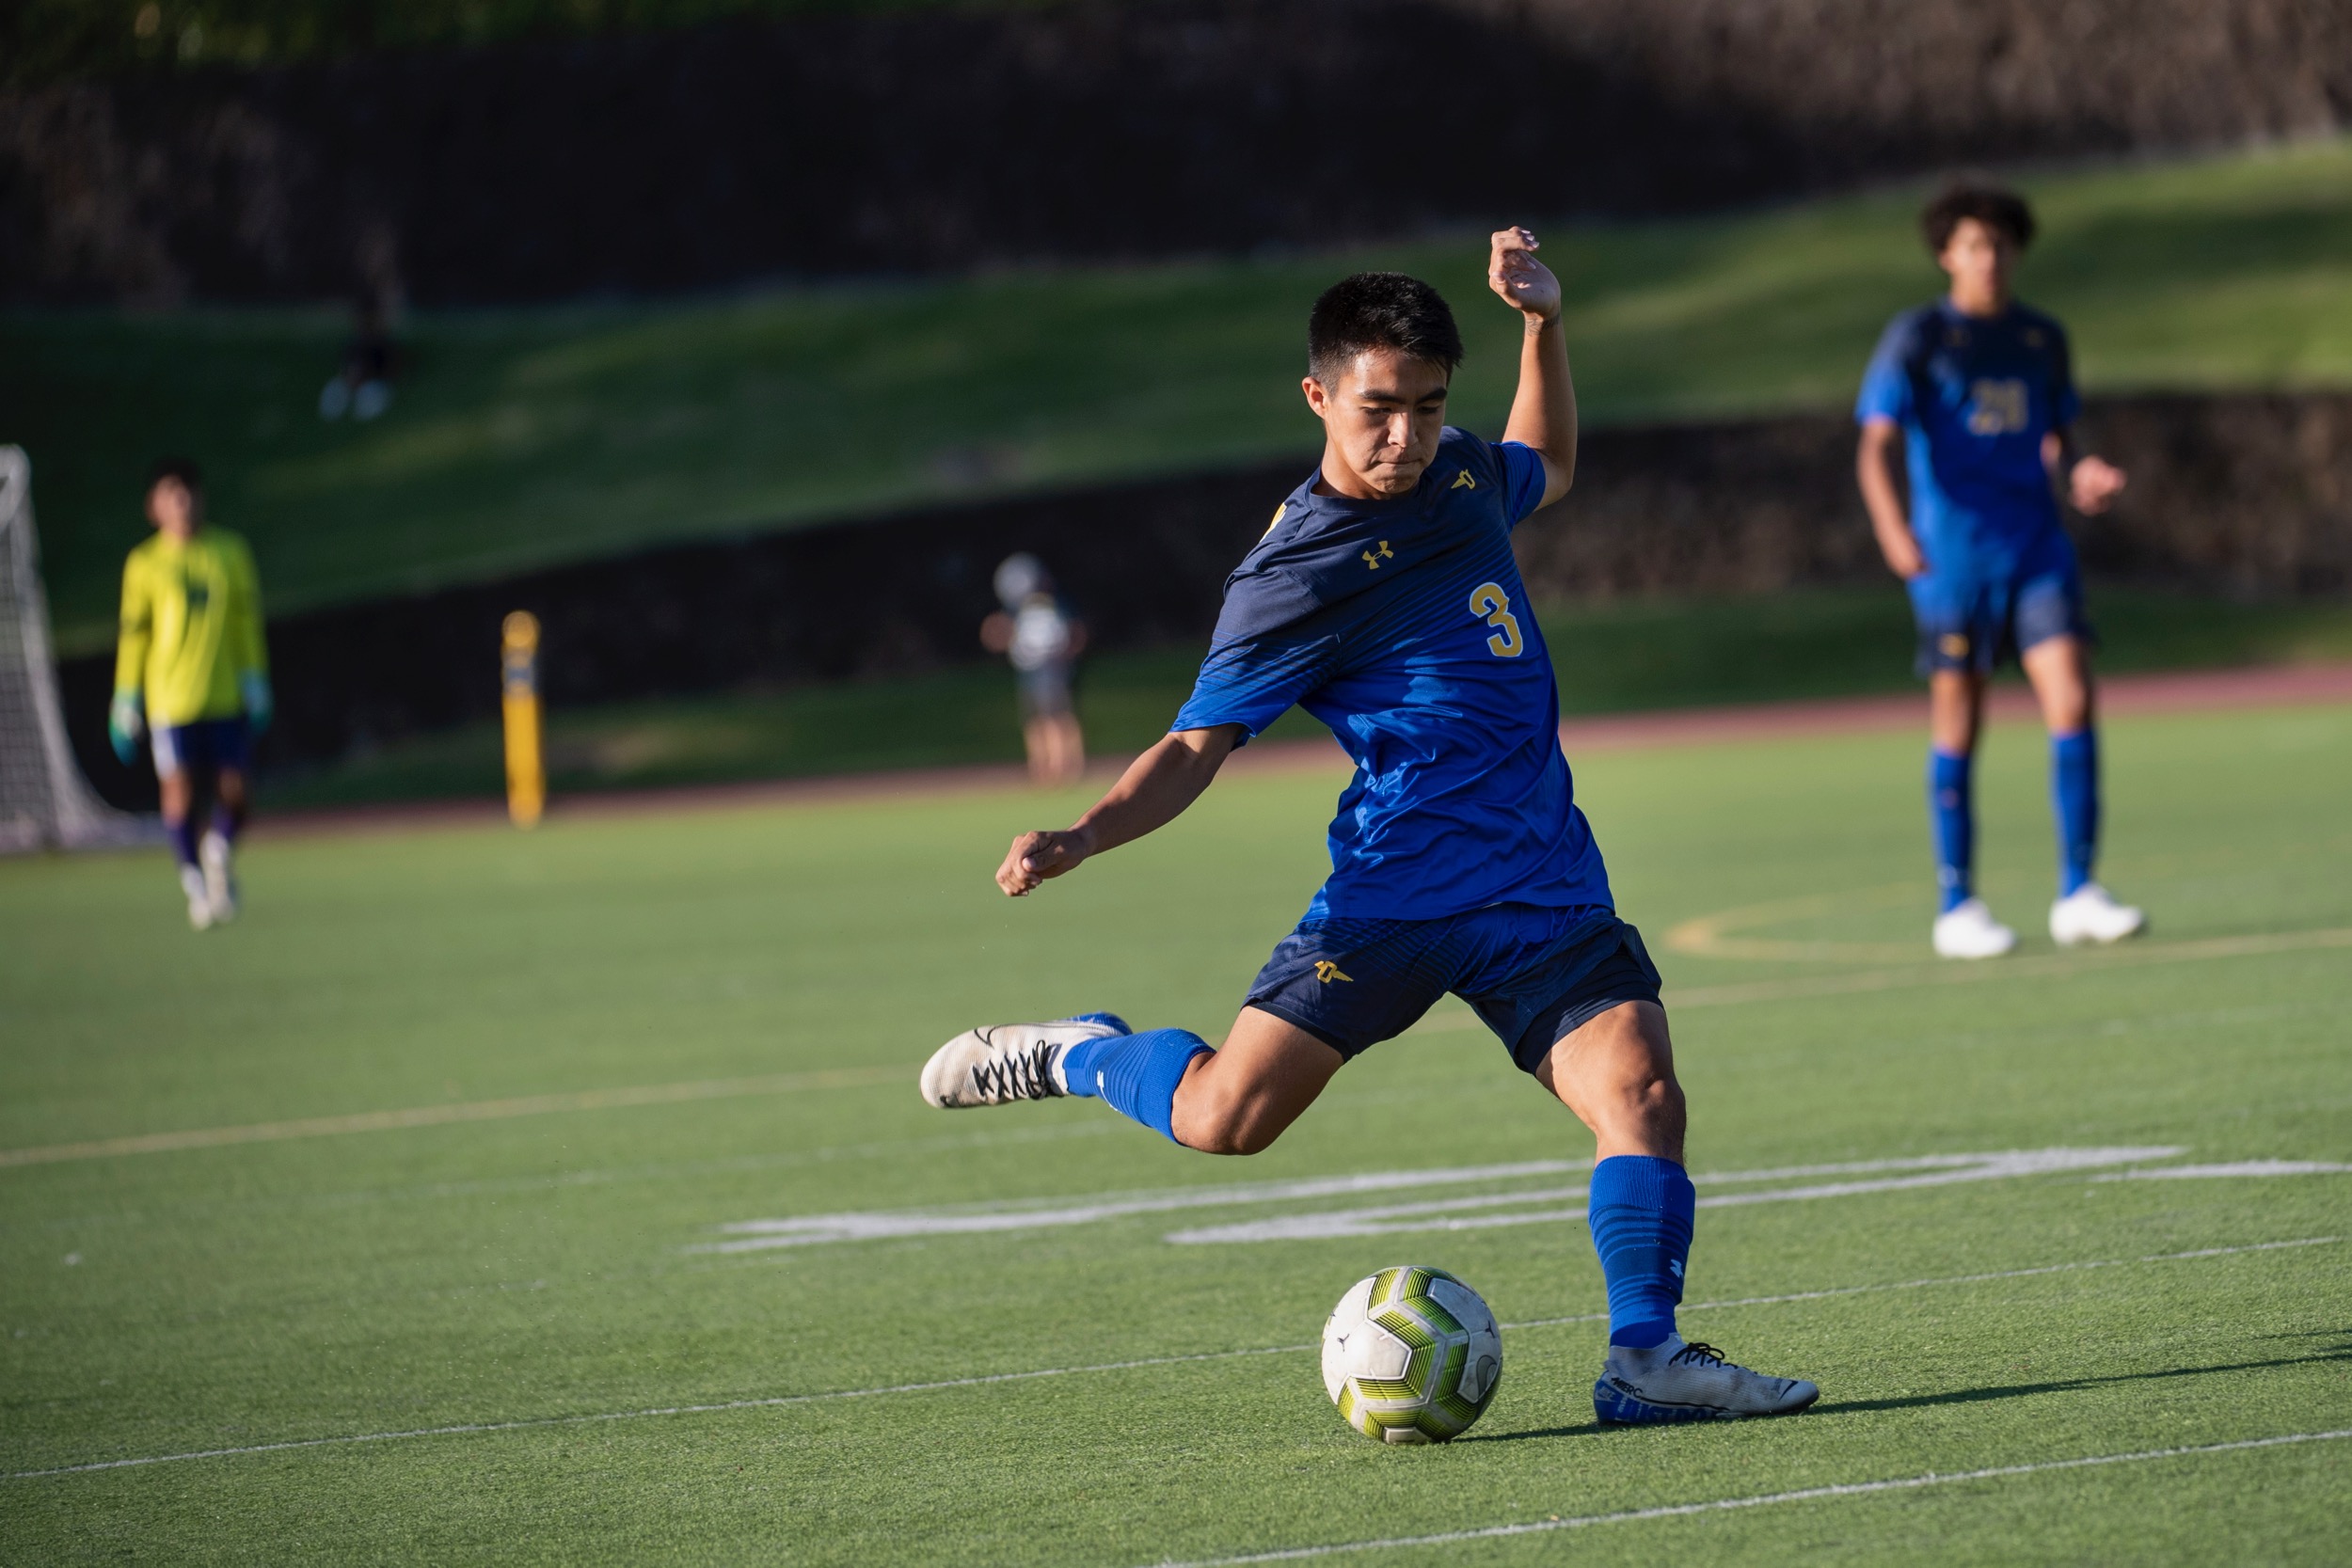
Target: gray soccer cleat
{"x": 199, "y": 901}
{"x": 1679, "y": 1381}
{"x": 1005, "y": 1062}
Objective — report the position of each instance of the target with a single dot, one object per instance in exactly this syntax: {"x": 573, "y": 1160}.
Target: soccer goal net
{"x": 44, "y": 801}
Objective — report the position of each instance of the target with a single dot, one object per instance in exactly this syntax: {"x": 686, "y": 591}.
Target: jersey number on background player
{"x": 1996, "y": 407}
{"x": 1489, "y": 602}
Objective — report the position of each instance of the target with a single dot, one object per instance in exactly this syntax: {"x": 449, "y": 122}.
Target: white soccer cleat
{"x": 1005, "y": 1062}
{"x": 220, "y": 878}
{"x": 1677, "y": 1380}
{"x": 2091, "y": 913}
{"x": 1968, "y": 930}
{"x": 200, "y": 897}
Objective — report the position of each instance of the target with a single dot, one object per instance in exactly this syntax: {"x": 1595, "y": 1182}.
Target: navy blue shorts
{"x": 1534, "y": 974}
{"x": 207, "y": 746}
{"x": 1975, "y": 620}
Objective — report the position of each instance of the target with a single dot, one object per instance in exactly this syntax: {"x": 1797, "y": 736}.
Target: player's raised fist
{"x": 1034, "y": 856}
{"x": 1524, "y": 283}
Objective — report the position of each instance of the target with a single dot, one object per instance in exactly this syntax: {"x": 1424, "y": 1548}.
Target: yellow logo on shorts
{"x": 1326, "y": 972}
{"x": 1463, "y": 481}
{"x": 1952, "y": 645}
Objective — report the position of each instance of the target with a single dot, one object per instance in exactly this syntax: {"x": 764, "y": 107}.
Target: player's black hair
{"x": 182, "y": 468}
{"x": 1380, "y": 309}
{"x": 1994, "y": 206}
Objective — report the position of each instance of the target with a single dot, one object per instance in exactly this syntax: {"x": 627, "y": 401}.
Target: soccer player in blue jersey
{"x": 1384, "y": 600}
{"x": 1978, "y": 391}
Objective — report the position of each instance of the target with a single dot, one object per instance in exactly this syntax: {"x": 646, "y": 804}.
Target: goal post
{"x": 45, "y": 803}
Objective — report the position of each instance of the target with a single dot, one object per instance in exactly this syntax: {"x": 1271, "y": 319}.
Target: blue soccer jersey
{"x": 1975, "y": 397}
{"x": 1403, "y": 626}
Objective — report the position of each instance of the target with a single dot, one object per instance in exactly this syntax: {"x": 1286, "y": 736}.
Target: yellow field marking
{"x": 1710, "y": 936}
{"x": 1951, "y": 971}
{"x": 443, "y": 1115}
{"x": 2056, "y": 965}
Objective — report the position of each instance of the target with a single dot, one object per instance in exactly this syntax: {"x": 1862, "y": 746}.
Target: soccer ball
{"x": 1411, "y": 1356}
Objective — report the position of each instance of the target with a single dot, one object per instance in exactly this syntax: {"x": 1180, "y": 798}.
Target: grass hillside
{"x": 520, "y": 438}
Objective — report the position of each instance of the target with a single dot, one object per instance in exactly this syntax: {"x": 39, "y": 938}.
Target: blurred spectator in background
{"x": 363, "y": 388}
{"x": 1040, "y": 638}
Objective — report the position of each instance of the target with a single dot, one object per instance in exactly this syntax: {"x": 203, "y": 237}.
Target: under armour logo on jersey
{"x": 1326, "y": 972}
{"x": 1463, "y": 481}
{"x": 1373, "y": 561}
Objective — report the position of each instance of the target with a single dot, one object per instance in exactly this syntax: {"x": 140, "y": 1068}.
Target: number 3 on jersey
{"x": 1489, "y": 603}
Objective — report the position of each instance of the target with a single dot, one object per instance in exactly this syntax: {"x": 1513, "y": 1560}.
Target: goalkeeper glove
{"x": 123, "y": 724}
{"x": 253, "y": 687}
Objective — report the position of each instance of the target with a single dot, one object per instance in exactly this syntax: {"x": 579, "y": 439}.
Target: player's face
{"x": 1383, "y": 419}
{"x": 171, "y": 506}
{"x": 1979, "y": 259}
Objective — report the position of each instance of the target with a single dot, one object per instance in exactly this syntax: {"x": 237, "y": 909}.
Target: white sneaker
{"x": 200, "y": 897}
{"x": 1683, "y": 1382}
{"x": 220, "y": 878}
{"x": 2091, "y": 913}
{"x": 1968, "y": 930}
{"x": 1005, "y": 1062}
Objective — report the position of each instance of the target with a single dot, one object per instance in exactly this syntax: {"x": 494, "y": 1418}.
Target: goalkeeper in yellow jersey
{"x": 192, "y": 669}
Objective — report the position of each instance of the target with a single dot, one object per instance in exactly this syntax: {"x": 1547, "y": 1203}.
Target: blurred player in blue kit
{"x": 1383, "y": 599}
{"x": 1978, "y": 391}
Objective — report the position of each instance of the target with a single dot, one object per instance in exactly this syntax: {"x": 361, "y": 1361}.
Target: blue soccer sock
{"x": 224, "y": 822}
{"x": 2074, "y": 800}
{"x": 1641, "y": 1210}
{"x": 1952, "y": 810}
{"x": 1135, "y": 1074}
{"x": 183, "y": 836}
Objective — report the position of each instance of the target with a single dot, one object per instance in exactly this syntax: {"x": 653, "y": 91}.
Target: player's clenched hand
{"x": 2095, "y": 482}
{"x": 1524, "y": 283}
{"x": 1035, "y": 857}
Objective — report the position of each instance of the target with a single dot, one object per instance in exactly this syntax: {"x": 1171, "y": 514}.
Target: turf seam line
{"x": 1767, "y": 1499}
{"x": 780, "y": 1399}
{"x": 1956, "y": 1279}
{"x": 461, "y": 1110}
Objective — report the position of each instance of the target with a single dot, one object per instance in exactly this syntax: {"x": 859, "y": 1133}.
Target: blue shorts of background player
{"x": 1384, "y": 600}
{"x": 207, "y": 747}
{"x": 1978, "y": 391}
{"x": 1973, "y": 621}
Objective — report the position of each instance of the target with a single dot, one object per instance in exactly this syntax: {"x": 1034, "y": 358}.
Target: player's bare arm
{"x": 1543, "y": 414}
{"x": 2092, "y": 482}
{"x": 1153, "y": 792}
{"x": 1874, "y": 471}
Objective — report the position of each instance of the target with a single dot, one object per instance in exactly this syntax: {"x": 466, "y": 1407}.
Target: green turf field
{"x": 527, "y": 437}
{"x": 494, "y": 1317}
{"x": 1610, "y": 657}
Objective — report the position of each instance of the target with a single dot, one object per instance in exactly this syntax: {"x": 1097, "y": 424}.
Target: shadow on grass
{"x": 1976, "y": 1396}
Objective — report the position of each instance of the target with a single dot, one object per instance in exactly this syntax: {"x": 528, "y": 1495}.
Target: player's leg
{"x": 176, "y": 783}
{"x": 1331, "y": 989}
{"x": 1954, "y": 655}
{"x": 216, "y": 849}
{"x": 2059, "y": 668}
{"x": 1616, "y": 1072}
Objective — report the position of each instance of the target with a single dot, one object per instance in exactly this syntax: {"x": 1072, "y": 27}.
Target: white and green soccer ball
{"x": 1411, "y": 1356}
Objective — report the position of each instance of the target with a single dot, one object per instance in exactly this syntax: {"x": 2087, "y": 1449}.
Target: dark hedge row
{"x": 892, "y": 143}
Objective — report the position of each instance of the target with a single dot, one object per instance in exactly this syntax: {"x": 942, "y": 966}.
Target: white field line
{"x": 944, "y": 1384}
{"x": 985, "y": 1219}
{"x": 460, "y": 1111}
{"x": 2241, "y": 1167}
{"x": 1767, "y": 1499}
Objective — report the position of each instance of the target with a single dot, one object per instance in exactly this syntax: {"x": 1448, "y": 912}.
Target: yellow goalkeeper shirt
{"x": 191, "y": 626}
